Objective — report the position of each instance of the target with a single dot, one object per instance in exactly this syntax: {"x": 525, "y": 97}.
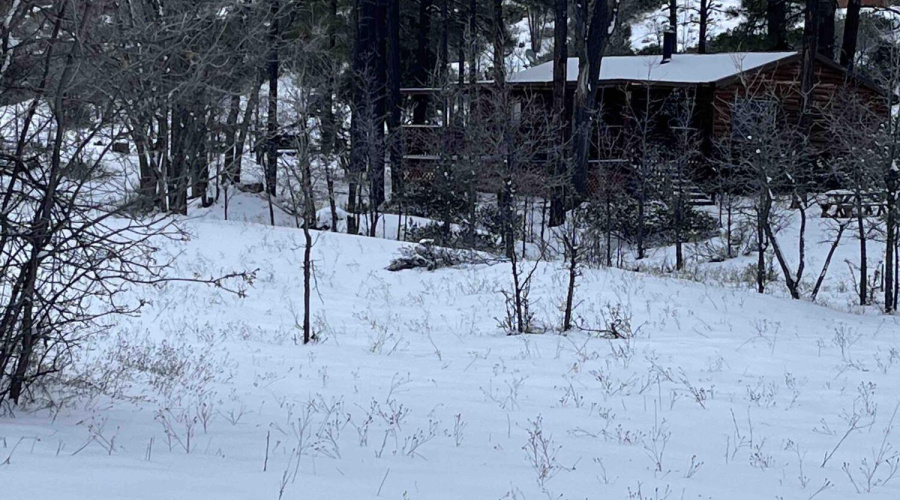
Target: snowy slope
{"x": 414, "y": 392}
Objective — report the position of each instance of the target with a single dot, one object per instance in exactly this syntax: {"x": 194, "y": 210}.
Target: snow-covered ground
{"x": 414, "y": 391}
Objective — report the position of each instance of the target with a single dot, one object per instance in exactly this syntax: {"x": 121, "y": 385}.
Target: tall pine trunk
{"x": 244, "y": 128}
{"x": 395, "y": 103}
{"x": 231, "y": 134}
{"x": 560, "y": 70}
{"x": 473, "y": 43}
{"x": 423, "y": 60}
{"x": 827, "y": 11}
{"x": 776, "y": 20}
{"x": 364, "y": 12}
{"x": 330, "y": 128}
{"x": 377, "y": 152}
{"x": 272, "y": 115}
{"x": 590, "y": 60}
{"x": 177, "y": 175}
{"x": 851, "y": 34}
{"x": 505, "y": 195}
{"x": 809, "y": 52}
{"x": 445, "y": 41}
{"x": 704, "y": 26}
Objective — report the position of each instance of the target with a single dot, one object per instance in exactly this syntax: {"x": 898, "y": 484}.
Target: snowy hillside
{"x": 414, "y": 392}
{"x": 648, "y": 28}
{"x": 552, "y": 304}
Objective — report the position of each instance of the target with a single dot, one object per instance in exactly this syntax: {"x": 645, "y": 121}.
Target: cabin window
{"x": 515, "y": 110}
{"x": 751, "y": 115}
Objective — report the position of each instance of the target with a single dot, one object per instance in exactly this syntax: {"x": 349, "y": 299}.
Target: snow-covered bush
{"x": 426, "y": 255}
{"x": 454, "y": 237}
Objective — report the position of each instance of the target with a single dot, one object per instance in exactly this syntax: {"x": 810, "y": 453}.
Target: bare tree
{"x": 887, "y": 159}
{"x": 855, "y": 125}
{"x": 774, "y": 159}
{"x": 571, "y": 237}
{"x": 300, "y": 179}
{"x": 765, "y": 150}
{"x": 70, "y": 249}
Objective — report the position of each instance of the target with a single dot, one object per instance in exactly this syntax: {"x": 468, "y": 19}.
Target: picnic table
{"x": 841, "y": 204}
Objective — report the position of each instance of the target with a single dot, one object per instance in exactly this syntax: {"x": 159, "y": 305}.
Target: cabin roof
{"x": 682, "y": 69}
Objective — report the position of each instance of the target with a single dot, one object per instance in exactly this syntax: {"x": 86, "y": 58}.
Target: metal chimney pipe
{"x": 669, "y": 42}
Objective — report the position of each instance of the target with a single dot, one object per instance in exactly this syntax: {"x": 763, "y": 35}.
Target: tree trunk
{"x": 825, "y": 266}
{"x": 40, "y": 236}
{"x": 469, "y": 41}
{"x": 395, "y": 102}
{"x": 164, "y": 159}
{"x": 244, "y": 130}
{"x": 890, "y": 242}
{"x": 202, "y": 158}
{"x": 586, "y": 91}
{"x": 461, "y": 59}
{"x": 423, "y": 61}
{"x": 499, "y": 43}
{"x": 641, "y": 221}
{"x": 40, "y": 233}
{"x": 704, "y": 26}
{"x": 473, "y": 43}
{"x": 444, "y": 62}
{"x": 329, "y": 121}
{"x": 762, "y": 217}
{"x": 608, "y": 230}
{"x": 827, "y": 9}
{"x": 377, "y": 154}
{"x": 148, "y": 182}
{"x": 572, "y": 247}
{"x": 505, "y": 196}
{"x": 359, "y": 142}
{"x": 851, "y": 34}
{"x": 679, "y": 233}
{"x": 776, "y": 20}
{"x": 560, "y": 70}
{"x": 330, "y": 125}
{"x": 272, "y": 115}
{"x": 793, "y": 285}
{"x": 6, "y": 51}
{"x": 177, "y": 175}
{"x": 199, "y": 157}
{"x": 309, "y": 216}
{"x": 231, "y": 134}
{"x": 810, "y": 49}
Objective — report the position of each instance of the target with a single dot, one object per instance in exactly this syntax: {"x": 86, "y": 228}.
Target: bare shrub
{"x": 540, "y": 451}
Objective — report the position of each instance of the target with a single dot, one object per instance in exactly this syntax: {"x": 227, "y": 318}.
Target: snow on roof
{"x": 683, "y": 68}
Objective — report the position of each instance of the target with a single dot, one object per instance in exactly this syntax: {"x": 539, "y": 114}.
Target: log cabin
{"x": 721, "y": 86}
